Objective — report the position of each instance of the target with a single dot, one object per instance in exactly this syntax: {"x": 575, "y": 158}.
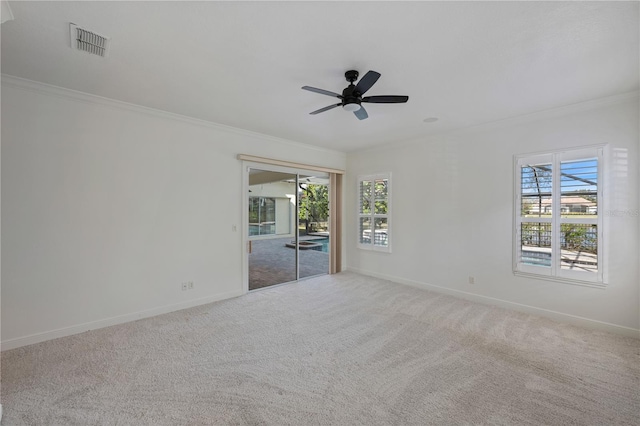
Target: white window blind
{"x": 374, "y": 220}
{"x": 558, "y": 215}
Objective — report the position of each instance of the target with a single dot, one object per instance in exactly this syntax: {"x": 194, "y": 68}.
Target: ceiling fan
{"x": 352, "y": 95}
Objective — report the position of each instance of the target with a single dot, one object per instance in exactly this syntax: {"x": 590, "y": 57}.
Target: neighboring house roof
{"x": 568, "y": 200}
{"x": 577, "y": 200}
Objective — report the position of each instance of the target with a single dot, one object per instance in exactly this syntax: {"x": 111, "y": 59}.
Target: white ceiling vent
{"x": 88, "y": 41}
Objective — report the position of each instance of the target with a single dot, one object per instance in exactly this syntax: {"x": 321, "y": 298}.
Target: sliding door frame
{"x": 335, "y": 209}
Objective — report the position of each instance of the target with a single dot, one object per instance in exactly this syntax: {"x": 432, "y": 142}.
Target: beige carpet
{"x": 333, "y": 350}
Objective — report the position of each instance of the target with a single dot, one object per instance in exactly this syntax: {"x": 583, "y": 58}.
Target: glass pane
{"x": 271, "y": 223}
{"x": 313, "y": 226}
{"x": 254, "y": 216}
{"x": 365, "y": 196}
{"x": 579, "y": 247}
{"x": 535, "y": 239}
{"x": 365, "y": 207}
{"x": 579, "y": 188}
{"x": 381, "y": 189}
{"x": 381, "y": 236}
{"x": 365, "y": 230}
{"x": 535, "y": 188}
{"x": 267, "y": 216}
{"x": 381, "y": 207}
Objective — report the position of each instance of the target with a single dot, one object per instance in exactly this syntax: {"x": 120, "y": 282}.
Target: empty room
{"x": 320, "y": 213}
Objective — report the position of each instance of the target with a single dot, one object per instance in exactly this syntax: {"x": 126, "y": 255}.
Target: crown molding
{"x": 516, "y": 120}
{"x": 78, "y": 96}
{"x": 553, "y": 112}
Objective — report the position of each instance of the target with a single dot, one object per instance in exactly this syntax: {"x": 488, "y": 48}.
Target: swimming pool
{"x": 319, "y": 244}
{"x": 325, "y": 245}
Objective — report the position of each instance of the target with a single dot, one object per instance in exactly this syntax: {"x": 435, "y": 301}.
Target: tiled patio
{"x": 271, "y": 262}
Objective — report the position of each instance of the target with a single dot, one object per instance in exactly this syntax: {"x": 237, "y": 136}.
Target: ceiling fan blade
{"x": 386, "y": 99}
{"x": 361, "y": 113}
{"x": 321, "y": 91}
{"x": 318, "y": 111}
{"x": 366, "y": 82}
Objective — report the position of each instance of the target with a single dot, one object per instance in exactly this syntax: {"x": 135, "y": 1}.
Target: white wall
{"x": 108, "y": 208}
{"x": 453, "y": 205}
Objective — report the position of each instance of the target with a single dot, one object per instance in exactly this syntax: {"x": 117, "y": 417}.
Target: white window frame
{"x": 555, "y": 272}
{"x": 373, "y": 215}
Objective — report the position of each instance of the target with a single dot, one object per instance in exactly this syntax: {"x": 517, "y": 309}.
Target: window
{"x": 558, "y": 215}
{"x": 374, "y": 220}
{"x": 262, "y": 216}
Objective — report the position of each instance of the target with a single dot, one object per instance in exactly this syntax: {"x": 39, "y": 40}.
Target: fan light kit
{"x": 352, "y": 95}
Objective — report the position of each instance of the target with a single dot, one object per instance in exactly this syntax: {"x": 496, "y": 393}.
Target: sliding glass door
{"x": 287, "y": 229}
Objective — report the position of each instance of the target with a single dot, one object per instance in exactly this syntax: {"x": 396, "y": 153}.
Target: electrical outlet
{"x": 185, "y": 286}
{"x": 190, "y": 285}
{"x": 472, "y": 280}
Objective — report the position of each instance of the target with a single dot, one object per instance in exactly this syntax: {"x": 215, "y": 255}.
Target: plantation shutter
{"x": 374, "y": 212}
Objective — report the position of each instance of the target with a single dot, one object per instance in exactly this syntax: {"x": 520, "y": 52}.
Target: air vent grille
{"x": 88, "y": 41}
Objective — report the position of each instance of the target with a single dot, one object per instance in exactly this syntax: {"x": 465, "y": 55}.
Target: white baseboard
{"x": 107, "y": 322}
{"x": 558, "y": 316}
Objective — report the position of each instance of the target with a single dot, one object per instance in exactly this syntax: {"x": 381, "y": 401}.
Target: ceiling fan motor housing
{"x": 350, "y": 96}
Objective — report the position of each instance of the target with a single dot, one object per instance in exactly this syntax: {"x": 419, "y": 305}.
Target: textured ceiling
{"x": 242, "y": 63}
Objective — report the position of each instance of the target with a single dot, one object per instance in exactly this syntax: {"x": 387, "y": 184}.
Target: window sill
{"x": 583, "y": 283}
{"x": 374, "y": 248}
